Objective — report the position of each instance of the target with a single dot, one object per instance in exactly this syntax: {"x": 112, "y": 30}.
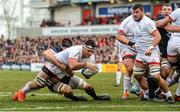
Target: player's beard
{"x": 139, "y": 18}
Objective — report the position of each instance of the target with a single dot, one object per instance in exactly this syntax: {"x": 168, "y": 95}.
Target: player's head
{"x": 166, "y": 10}
{"x": 137, "y": 12}
{"x": 66, "y": 42}
{"x": 88, "y": 48}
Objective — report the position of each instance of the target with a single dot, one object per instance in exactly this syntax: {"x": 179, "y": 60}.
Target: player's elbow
{"x": 72, "y": 66}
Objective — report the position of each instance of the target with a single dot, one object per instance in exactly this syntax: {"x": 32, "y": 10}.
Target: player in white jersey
{"x": 166, "y": 71}
{"x": 173, "y": 50}
{"x": 117, "y": 48}
{"x": 128, "y": 53}
{"x": 59, "y": 79}
{"x": 147, "y": 38}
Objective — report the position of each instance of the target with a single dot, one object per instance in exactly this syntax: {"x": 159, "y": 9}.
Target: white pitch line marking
{"x": 86, "y": 106}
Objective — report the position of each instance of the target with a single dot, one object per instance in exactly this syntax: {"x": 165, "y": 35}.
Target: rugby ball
{"x": 87, "y": 73}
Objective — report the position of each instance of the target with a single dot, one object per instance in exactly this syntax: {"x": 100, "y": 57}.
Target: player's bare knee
{"x": 138, "y": 77}
{"x": 165, "y": 71}
{"x": 157, "y": 77}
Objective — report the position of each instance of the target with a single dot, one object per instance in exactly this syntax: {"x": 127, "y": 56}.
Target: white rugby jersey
{"x": 142, "y": 32}
{"x": 74, "y": 52}
{"x": 175, "y": 17}
{"x": 126, "y": 27}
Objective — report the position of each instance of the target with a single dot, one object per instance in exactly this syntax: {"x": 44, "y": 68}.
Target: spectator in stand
{"x": 43, "y": 23}
{"x": 27, "y": 50}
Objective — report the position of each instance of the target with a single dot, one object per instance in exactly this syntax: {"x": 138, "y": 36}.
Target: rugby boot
{"x": 125, "y": 96}
{"x": 103, "y": 97}
{"x": 117, "y": 85}
{"x": 19, "y": 96}
{"x": 170, "y": 100}
{"x": 177, "y": 98}
{"x": 135, "y": 91}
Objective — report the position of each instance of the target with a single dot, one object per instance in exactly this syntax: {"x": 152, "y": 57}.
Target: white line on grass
{"x": 80, "y": 107}
{"x": 86, "y": 106}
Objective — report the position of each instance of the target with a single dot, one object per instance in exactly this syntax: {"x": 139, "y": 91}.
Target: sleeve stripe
{"x": 154, "y": 31}
{"x": 73, "y": 58}
{"x": 121, "y": 32}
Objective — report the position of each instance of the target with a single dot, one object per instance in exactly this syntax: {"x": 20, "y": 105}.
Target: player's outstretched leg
{"x": 90, "y": 91}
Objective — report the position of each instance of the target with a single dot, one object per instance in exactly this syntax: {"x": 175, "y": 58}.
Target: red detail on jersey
{"x": 172, "y": 55}
{"x": 154, "y": 31}
{"x": 138, "y": 61}
{"x": 121, "y": 32}
{"x": 157, "y": 63}
{"x": 73, "y": 58}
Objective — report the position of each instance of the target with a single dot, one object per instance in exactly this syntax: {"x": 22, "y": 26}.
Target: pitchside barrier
{"x": 35, "y": 67}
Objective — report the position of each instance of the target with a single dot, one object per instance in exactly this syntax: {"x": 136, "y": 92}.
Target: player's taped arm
{"x": 49, "y": 54}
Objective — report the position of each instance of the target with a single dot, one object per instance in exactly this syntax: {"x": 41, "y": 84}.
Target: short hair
{"x": 90, "y": 44}
{"x": 138, "y": 6}
{"x": 166, "y": 5}
{"x": 66, "y": 42}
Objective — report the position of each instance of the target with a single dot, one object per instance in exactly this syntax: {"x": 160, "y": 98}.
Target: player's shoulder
{"x": 148, "y": 21}
{"x": 176, "y": 12}
{"x": 128, "y": 19}
{"x": 75, "y": 49}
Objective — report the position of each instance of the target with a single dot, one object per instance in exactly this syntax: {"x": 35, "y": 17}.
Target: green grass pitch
{"x": 44, "y": 100}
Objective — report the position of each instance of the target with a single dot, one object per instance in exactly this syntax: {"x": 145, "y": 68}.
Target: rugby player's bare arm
{"x": 172, "y": 28}
{"x": 157, "y": 38}
{"x": 49, "y": 54}
{"x": 163, "y": 22}
{"x": 75, "y": 65}
{"x": 122, "y": 39}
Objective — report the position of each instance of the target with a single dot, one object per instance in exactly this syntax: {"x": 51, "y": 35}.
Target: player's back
{"x": 71, "y": 52}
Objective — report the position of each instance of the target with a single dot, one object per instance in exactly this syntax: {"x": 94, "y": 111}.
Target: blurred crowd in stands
{"x": 27, "y": 50}
{"x": 89, "y": 20}
{"x": 115, "y": 19}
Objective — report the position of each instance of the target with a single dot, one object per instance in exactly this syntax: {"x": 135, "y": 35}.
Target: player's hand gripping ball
{"x": 87, "y": 73}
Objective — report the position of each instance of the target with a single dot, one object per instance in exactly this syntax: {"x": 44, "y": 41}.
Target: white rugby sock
{"x": 178, "y": 89}
{"x": 168, "y": 80}
{"x": 26, "y": 88}
{"x": 168, "y": 94}
{"x": 127, "y": 82}
{"x": 118, "y": 77}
